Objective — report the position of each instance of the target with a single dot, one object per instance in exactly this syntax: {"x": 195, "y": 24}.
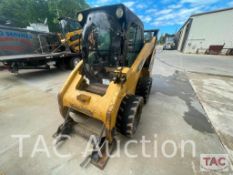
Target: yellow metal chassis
{"x": 76, "y": 44}
{"x": 104, "y": 108}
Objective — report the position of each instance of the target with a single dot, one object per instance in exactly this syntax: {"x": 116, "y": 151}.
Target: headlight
{"x": 80, "y": 17}
{"x": 119, "y": 12}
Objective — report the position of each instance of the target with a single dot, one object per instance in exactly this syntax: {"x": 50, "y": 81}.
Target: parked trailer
{"x": 26, "y": 49}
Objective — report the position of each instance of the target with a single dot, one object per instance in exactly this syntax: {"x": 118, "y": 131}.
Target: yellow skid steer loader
{"x": 71, "y": 32}
{"x": 112, "y": 82}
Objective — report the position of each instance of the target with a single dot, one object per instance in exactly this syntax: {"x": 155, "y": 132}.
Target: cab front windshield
{"x": 68, "y": 25}
{"x": 101, "y": 38}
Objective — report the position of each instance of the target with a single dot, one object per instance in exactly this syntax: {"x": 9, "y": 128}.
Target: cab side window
{"x": 139, "y": 40}
{"x": 134, "y": 37}
{"x": 131, "y": 35}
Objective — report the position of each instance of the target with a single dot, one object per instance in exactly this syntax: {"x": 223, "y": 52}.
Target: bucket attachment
{"x": 102, "y": 148}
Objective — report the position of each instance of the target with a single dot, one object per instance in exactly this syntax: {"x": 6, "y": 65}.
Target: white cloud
{"x": 175, "y": 6}
{"x": 178, "y": 13}
{"x": 175, "y": 17}
{"x": 172, "y": 12}
{"x": 163, "y": 12}
{"x": 145, "y": 19}
{"x": 141, "y": 6}
{"x": 230, "y": 4}
{"x": 199, "y": 2}
{"x": 152, "y": 11}
{"x": 140, "y": 16}
{"x": 129, "y": 4}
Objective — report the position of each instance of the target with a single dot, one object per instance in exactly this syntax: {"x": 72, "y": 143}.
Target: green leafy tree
{"x": 68, "y": 8}
{"x": 16, "y": 11}
{"x": 23, "y": 12}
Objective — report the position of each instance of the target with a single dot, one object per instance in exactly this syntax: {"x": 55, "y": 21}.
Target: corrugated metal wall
{"x": 209, "y": 29}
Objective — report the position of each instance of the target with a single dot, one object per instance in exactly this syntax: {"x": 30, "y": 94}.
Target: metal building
{"x": 205, "y": 31}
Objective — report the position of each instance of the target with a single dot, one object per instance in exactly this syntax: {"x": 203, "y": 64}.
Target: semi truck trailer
{"x": 27, "y": 49}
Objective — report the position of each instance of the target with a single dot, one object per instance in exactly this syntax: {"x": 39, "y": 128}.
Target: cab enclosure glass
{"x": 112, "y": 37}
{"x": 68, "y": 25}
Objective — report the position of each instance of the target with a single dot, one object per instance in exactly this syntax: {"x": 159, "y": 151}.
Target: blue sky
{"x": 167, "y": 15}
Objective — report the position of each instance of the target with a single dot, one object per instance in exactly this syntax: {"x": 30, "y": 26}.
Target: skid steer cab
{"x": 112, "y": 82}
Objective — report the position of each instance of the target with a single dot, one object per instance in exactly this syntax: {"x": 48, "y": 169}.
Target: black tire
{"x": 14, "y": 68}
{"x": 60, "y": 65}
{"x": 143, "y": 88}
{"x": 129, "y": 115}
{"x": 73, "y": 62}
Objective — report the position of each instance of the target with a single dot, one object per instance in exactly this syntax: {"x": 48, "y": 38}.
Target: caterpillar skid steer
{"x": 71, "y": 31}
{"x": 112, "y": 82}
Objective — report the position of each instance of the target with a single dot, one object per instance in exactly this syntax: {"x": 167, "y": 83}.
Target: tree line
{"x": 20, "y": 13}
